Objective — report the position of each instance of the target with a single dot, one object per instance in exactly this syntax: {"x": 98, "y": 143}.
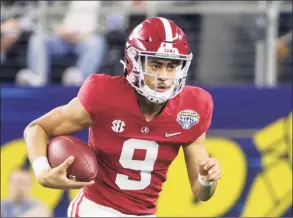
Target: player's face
{"x": 20, "y": 185}
{"x": 162, "y": 72}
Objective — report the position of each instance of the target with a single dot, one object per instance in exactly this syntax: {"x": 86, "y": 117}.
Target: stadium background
{"x": 251, "y": 133}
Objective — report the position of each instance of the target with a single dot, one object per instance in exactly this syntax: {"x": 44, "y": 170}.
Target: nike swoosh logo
{"x": 167, "y": 135}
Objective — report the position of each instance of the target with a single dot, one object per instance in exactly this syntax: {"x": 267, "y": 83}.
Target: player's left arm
{"x": 203, "y": 171}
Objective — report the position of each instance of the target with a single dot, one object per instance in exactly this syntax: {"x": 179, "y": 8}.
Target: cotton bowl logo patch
{"x": 187, "y": 118}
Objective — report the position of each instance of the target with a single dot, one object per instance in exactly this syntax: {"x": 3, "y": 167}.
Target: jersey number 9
{"x": 145, "y": 166}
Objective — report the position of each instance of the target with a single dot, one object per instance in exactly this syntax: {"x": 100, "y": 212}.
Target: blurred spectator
{"x": 18, "y": 203}
{"x": 138, "y": 3}
{"x": 228, "y": 47}
{"x": 13, "y": 27}
{"x": 284, "y": 57}
{"x": 76, "y": 33}
{"x": 9, "y": 35}
{"x": 284, "y": 45}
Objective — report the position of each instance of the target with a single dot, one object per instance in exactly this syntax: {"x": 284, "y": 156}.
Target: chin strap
{"x": 124, "y": 67}
{"x": 123, "y": 63}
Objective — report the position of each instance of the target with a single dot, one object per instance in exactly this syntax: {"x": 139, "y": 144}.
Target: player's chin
{"x": 162, "y": 89}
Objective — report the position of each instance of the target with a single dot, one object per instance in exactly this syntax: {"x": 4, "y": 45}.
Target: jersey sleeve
{"x": 91, "y": 93}
{"x": 208, "y": 113}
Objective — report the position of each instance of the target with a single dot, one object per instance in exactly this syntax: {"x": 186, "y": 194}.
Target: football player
{"x": 137, "y": 124}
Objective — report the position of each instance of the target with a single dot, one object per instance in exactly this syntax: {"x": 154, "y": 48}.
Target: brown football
{"x": 85, "y": 165}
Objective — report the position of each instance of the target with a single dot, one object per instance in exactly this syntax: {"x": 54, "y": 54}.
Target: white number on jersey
{"x": 145, "y": 166}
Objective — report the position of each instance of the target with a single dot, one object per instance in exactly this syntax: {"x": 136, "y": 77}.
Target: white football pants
{"x": 83, "y": 207}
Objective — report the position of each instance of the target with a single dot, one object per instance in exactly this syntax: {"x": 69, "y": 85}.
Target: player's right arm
{"x": 78, "y": 114}
{"x": 62, "y": 120}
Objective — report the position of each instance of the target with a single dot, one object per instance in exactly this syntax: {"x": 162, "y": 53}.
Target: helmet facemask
{"x": 136, "y": 77}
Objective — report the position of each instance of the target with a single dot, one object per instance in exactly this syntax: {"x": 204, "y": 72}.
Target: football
{"x": 85, "y": 165}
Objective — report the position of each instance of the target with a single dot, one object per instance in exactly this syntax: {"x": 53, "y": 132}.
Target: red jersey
{"x": 134, "y": 155}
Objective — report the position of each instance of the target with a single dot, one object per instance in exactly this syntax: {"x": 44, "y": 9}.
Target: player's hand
{"x": 210, "y": 170}
{"x": 56, "y": 178}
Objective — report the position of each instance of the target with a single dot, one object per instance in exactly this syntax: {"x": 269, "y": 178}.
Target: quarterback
{"x": 137, "y": 123}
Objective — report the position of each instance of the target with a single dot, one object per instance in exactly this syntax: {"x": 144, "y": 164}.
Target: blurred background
{"x": 242, "y": 56}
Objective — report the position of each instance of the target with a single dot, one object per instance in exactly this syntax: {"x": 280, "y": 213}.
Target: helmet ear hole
{"x": 142, "y": 59}
{"x": 125, "y": 72}
{"x": 184, "y": 64}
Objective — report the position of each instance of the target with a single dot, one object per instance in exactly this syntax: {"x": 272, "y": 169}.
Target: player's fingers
{"x": 201, "y": 163}
{"x": 217, "y": 177}
{"x": 213, "y": 177}
{"x": 210, "y": 163}
{"x": 66, "y": 163}
{"x": 213, "y": 169}
{"x": 78, "y": 185}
